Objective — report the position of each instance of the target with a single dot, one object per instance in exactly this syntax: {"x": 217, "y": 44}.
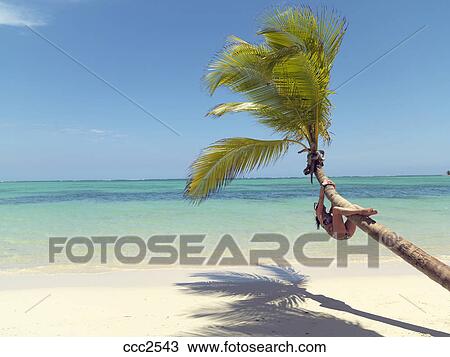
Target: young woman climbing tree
{"x": 333, "y": 221}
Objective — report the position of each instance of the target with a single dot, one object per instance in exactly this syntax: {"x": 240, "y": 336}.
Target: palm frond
{"x": 247, "y": 69}
{"x": 235, "y": 107}
{"x": 288, "y": 121}
{"x": 310, "y": 32}
{"x": 240, "y": 66}
{"x": 226, "y": 159}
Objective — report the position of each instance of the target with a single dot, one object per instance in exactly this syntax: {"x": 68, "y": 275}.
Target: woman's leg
{"x": 346, "y": 230}
{"x": 352, "y": 211}
{"x": 339, "y": 228}
{"x": 351, "y": 228}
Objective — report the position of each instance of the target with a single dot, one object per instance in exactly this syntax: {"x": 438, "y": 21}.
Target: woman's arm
{"x": 319, "y": 208}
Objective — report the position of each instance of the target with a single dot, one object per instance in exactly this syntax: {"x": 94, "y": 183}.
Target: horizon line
{"x": 239, "y": 178}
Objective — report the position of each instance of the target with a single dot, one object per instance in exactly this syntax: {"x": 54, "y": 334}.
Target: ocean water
{"x": 417, "y": 207}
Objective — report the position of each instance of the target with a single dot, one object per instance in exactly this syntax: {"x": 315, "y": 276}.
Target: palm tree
{"x": 286, "y": 83}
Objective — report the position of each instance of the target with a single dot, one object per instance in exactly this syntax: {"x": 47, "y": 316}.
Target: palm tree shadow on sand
{"x": 271, "y": 306}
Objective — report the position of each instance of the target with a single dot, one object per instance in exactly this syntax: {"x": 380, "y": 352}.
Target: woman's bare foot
{"x": 368, "y": 212}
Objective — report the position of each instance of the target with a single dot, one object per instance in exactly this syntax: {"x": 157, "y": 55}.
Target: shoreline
{"x": 71, "y": 268}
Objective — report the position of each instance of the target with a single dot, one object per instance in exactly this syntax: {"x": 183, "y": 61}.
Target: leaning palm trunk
{"x": 418, "y": 258}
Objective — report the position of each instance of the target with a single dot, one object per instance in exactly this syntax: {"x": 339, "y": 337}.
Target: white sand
{"x": 394, "y": 300}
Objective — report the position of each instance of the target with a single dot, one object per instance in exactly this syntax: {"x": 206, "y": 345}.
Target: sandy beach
{"x": 393, "y": 300}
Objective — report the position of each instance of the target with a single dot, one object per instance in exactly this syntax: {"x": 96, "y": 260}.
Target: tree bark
{"x": 418, "y": 258}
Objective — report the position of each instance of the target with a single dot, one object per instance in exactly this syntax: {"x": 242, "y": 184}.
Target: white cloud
{"x": 98, "y": 131}
{"x": 93, "y": 133}
{"x": 14, "y": 15}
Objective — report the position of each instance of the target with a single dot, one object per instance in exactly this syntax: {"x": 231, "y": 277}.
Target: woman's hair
{"x": 317, "y": 222}
{"x": 317, "y": 218}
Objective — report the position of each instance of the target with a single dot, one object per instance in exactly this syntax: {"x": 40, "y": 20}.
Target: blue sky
{"x": 59, "y": 122}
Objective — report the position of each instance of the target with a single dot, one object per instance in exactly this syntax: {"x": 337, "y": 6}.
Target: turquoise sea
{"x": 418, "y": 207}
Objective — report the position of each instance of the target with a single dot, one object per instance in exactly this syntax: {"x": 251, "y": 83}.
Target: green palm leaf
{"x": 319, "y": 33}
{"x": 235, "y": 107}
{"x": 226, "y": 159}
